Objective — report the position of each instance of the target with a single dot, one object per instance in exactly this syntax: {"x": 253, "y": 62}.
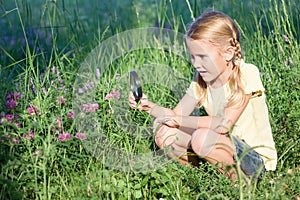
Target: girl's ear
{"x": 229, "y": 53}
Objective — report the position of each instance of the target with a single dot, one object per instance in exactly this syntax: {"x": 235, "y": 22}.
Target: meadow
{"x": 49, "y": 149}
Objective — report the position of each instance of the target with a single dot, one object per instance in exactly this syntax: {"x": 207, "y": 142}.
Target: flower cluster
{"x": 67, "y": 136}
{"x": 113, "y": 94}
{"x": 8, "y": 117}
{"x": 81, "y": 136}
{"x": 71, "y": 115}
{"x": 33, "y": 110}
{"x": 11, "y": 101}
{"x": 29, "y": 136}
{"x": 90, "y": 107}
{"x": 64, "y": 137}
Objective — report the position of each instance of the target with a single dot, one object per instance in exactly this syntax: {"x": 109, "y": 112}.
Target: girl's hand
{"x": 142, "y": 105}
{"x": 170, "y": 121}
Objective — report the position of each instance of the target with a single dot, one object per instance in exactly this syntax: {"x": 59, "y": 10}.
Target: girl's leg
{"x": 215, "y": 148}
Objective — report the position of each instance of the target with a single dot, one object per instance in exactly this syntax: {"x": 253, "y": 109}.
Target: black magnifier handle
{"x": 135, "y": 86}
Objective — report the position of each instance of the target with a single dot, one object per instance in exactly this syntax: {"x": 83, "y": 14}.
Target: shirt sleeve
{"x": 251, "y": 79}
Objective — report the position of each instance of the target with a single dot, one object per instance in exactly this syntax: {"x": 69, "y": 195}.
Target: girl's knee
{"x": 164, "y": 135}
{"x": 203, "y": 141}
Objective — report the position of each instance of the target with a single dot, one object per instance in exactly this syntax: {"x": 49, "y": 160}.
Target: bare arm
{"x": 220, "y": 124}
{"x": 184, "y": 108}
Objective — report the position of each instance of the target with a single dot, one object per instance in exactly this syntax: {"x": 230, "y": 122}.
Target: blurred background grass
{"x": 36, "y": 35}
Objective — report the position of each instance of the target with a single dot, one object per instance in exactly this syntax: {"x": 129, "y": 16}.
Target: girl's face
{"x": 209, "y": 61}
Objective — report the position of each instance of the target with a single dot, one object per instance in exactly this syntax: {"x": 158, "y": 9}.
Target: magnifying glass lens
{"x": 135, "y": 85}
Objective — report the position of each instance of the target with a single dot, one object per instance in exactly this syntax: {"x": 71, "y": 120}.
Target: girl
{"x": 232, "y": 94}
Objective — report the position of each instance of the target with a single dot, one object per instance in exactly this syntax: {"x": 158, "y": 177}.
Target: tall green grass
{"x": 43, "y": 44}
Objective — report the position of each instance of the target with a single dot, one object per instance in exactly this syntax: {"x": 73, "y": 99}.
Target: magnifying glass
{"x": 135, "y": 86}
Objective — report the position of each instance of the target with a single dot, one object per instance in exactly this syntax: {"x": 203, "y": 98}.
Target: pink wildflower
{"x": 15, "y": 140}
{"x": 113, "y": 94}
{"x": 90, "y": 108}
{"x": 53, "y": 70}
{"x": 108, "y": 96}
{"x": 59, "y": 124}
{"x": 9, "y": 117}
{"x": 31, "y": 134}
{"x": 64, "y": 137}
{"x": 81, "y": 136}
{"x": 25, "y": 136}
{"x": 286, "y": 39}
{"x": 291, "y": 61}
{"x": 44, "y": 91}
{"x": 118, "y": 76}
{"x": 98, "y": 73}
{"x": 18, "y": 124}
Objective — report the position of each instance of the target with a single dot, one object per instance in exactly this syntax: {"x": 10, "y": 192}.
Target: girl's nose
{"x": 196, "y": 62}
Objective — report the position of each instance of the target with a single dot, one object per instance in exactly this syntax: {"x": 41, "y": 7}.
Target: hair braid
{"x": 238, "y": 52}
{"x": 235, "y": 82}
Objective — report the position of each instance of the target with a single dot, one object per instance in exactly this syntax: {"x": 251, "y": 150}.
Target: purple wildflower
{"x": 12, "y": 96}
{"x": 61, "y": 100}
{"x": 11, "y": 104}
{"x": 81, "y": 136}
{"x": 61, "y": 81}
{"x": 64, "y": 137}
{"x": 88, "y": 86}
{"x": 71, "y": 115}
{"x": 80, "y": 90}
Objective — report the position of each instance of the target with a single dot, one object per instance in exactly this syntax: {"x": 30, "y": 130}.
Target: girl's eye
{"x": 197, "y": 56}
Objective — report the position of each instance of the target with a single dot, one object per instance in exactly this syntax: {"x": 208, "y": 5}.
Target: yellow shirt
{"x": 253, "y": 125}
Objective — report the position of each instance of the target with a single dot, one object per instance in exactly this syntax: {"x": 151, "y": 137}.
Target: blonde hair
{"x": 219, "y": 29}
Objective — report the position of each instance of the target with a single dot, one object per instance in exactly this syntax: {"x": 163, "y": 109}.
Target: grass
{"x": 43, "y": 45}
